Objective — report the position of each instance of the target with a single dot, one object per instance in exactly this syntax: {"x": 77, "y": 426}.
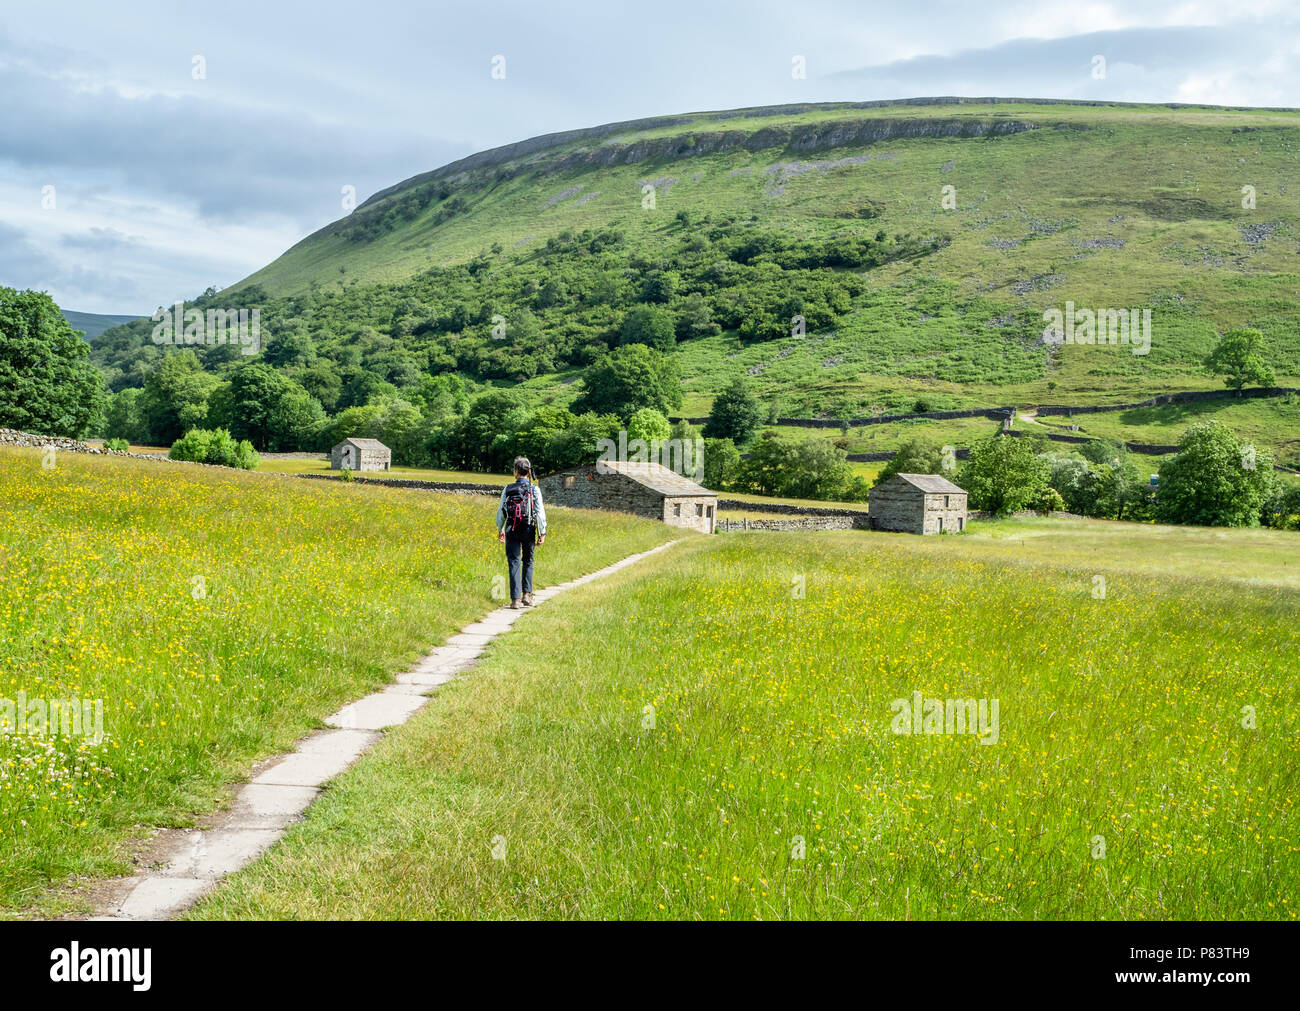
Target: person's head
{"x": 522, "y": 467}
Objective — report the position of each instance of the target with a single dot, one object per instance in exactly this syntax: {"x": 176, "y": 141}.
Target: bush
{"x": 119, "y": 444}
{"x": 215, "y": 446}
{"x": 1049, "y": 501}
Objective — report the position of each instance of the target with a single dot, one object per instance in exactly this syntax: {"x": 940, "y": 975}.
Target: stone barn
{"x": 917, "y": 504}
{"x": 646, "y": 489}
{"x": 361, "y": 454}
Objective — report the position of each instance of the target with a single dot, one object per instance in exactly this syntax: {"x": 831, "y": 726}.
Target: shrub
{"x": 215, "y": 446}
{"x": 1049, "y": 501}
{"x": 119, "y": 444}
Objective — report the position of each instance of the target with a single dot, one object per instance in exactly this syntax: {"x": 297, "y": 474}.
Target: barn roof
{"x": 655, "y": 476}
{"x": 364, "y": 444}
{"x": 932, "y": 484}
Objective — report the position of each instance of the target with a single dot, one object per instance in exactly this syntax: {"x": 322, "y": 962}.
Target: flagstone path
{"x": 279, "y": 794}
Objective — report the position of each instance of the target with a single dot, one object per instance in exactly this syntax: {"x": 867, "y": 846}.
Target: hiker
{"x": 521, "y": 520}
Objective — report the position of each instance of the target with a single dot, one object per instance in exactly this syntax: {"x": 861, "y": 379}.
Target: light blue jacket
{"x": 539, "y": 511}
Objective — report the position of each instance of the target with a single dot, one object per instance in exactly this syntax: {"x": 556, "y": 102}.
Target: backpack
{"x": 519, "y": 507}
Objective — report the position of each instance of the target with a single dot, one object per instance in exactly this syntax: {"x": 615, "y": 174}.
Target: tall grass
{"x": 693, "y": 739}
{"x": 219, "y": 616}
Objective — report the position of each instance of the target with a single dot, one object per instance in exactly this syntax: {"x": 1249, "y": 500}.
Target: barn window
{"x": 708, "y": 511}
{"x": 699, "y": 509}
{"x": 677, "y": 508}
{"x": 945, "y": 501}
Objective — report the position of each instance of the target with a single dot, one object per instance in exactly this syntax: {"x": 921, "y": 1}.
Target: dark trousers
{"x": 517, "y": 552}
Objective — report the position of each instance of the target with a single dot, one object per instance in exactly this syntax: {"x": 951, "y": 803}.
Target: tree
{"x": 1240, "y": 359}
{"x": 1002, "y": 475}
{"x": 579, "y": 444}
{"x": 803, "y": 468}
{"x": 1074, "y": 481}
{"x": 660, "y": 286}
{"x": 272, "y": 411}
{"x": 1214, "y": 480}
{"x": 695, "y": 318}
{"x": 735, "y": 414}
{"x": 47, "y": 383}
{"x": 648, "y": 424}
{"x": 914, "y": 456}
{"x": 175, "y": 397}
{"x": 628, "y": 379}
{"x": 647, "y": 324}
{"x": 401, "y": 427}
{"x": 721, "y": 464}
{"x": 123, "y": 420}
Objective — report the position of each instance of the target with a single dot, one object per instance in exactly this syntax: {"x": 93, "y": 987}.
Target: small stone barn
{"x": 361, "y": 454}
{"x": 646, "y": 489}
{"x": 917, "y": 504}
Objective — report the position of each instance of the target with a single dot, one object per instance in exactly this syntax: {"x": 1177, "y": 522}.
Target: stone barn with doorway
{"x": 361, "y": 454}
{"x": 646, "y": 489}
{"x": 917, "y": 504}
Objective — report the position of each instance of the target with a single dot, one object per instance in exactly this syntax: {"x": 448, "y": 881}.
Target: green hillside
{"x": 834, "y": 213}
{"x": 92, "y": 324}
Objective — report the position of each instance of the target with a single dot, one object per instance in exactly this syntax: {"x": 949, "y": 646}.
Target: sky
{"x": 150, "y": 150}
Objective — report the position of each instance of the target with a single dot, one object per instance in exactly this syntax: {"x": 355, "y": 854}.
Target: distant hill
{"x": 93, "y": 323}
{"x": 922, "y": 241}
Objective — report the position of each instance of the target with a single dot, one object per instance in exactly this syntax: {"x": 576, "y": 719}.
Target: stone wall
{"x": 1168, "y": 398}
{"x": 739, "y": 505}
{"x": 13, "y": 437}
{"x": 463, "y": 487}
{"x": 838, "y": 521}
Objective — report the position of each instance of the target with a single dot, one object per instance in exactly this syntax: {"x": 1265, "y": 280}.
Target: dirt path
{"x": 185, "y": 864}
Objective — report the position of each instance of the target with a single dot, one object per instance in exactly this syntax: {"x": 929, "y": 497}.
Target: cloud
{"x": 24, "y": 265}
{"x": 1229, "y": 64}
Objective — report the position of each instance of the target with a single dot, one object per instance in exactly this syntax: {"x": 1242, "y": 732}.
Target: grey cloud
{"x": 1158, "y": 58}
{"x": 230, "y": 161}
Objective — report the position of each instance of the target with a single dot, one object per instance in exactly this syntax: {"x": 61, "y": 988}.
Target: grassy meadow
{"x": 219, "y": 616}
{"x": 708, "y": 735}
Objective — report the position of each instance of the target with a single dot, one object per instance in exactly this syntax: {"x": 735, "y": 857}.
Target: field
{"x": 709, "y": 735}
{"x": 219, "y": 616}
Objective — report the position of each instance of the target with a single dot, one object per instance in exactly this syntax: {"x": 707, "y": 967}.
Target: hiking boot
{"x": 528, "y": 600}
{"x": 514, "y": 605}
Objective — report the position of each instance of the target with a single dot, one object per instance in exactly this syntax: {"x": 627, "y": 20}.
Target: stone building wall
{"x": 588, "y": 488}
{"x": 909, "y": 510}
{"x": 695, "y": 512}
{"x": 953, "y": 514}
{"x": 362, "y": 460}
